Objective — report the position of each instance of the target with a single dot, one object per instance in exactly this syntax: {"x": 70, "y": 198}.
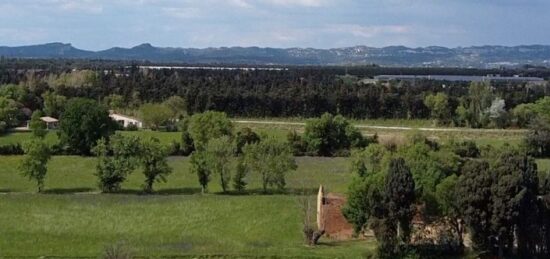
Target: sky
{"x": 102, "y": 24}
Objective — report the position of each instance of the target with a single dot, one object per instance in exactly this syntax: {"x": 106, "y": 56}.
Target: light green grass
{"x": 72, "y": 219}
{"x": 20, "y": 137}
{"x": 76, "y": 174}
{"x": 178, "y": 225}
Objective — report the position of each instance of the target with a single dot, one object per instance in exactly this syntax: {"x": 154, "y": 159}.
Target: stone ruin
{"x": 330, "y": 217}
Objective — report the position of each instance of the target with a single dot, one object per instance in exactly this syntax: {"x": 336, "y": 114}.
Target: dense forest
{"x": 288, "y": 92}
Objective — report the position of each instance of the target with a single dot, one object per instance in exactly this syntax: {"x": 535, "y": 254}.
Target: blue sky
{"x": 100, "y": 24}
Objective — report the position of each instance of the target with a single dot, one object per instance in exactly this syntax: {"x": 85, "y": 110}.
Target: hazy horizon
{"x": 102, "y": 24}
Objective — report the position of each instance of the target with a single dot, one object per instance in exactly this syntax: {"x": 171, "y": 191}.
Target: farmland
{"x": 72, "y": 218}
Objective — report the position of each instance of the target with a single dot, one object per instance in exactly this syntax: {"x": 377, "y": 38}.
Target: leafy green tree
{"x": 439, "y": 107}
{"x": 9, "y": 111}
{"x": 327, "y": 135}
{"x": 498, "y": 114}
{"x": 245, "y": 136}
{"x": 400, "y": 194}
{"x": 209, "y": 125}
{"x": 177, "y": 105}
{"x": 155, "y": 165}
{"x": 37, "y": 126}
{"x": 446, "y": 197}
{"x": 54, "y": 104}
{"x": 523, "y": 114}
{"x": 220, "y": 153}
{"x": 116, "y": 160}
{"x": 480, "y": 99}
{"x": 199, "y": 166}
{"x": 542, "y": 107}
{"x": 83, "y": 123}
{"x": 363, "y": 193}
{"x": 187, "y": 146}
{"x": 429, "y": 166}
{"x": 271, "y": 159}
{"x": 114, "y": 101}
{"x": 514, "y": 203}
{"x": 35, "y": 161}
{"x": 241, "y": 172}
{"x": 155, "y": 115}
{"x": 537, "y": 139}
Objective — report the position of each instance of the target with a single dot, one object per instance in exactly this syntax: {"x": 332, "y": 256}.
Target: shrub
{"x": 11, "y": 150}
{"x": 131, "y": 127}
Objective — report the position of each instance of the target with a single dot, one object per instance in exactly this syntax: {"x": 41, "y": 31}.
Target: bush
{"x": 11, "y": 150}
{"x": 326, "y": 135}
{"x": 465, "y": 149}
{"x": 131, "y": 127}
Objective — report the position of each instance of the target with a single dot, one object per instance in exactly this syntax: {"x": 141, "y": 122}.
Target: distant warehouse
{"x": 455, "y": 78}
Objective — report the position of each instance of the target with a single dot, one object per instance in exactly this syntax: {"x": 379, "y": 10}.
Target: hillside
{"x": 477, "y": 56}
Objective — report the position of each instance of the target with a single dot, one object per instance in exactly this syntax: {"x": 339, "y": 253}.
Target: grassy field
{"x": 175, "y": 225}
{"x": 69, "y": 174}
{"x": 72, "y": 219}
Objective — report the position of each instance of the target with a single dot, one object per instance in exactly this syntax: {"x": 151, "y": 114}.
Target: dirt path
{"x": 362, "y": 126}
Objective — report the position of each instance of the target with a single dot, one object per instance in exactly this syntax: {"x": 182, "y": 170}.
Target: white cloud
{"x": 87, "y": 6}
{"x": 183, "y": 12}
{"x": 369, "y": 31}
{"x": 240, "y": 3}
{"x": 305, "y": 3}
{"x": 24, "y": 35}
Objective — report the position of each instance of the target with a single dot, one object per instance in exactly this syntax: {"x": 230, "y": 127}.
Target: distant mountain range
{"x": 481, "y": 56}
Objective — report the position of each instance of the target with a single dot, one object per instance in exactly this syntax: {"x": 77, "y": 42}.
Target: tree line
{"x": 496, "y": 196}
{"x": 86, "y": 129}
{"x": 296, "y": 92}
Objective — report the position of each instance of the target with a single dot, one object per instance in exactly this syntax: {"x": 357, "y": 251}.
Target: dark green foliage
{"x": 83, "y": 123}
{"x": 296, "y": 142}
{"x": 9, "y": 112}
{"x": 446, "y": 197}
{"x": 37, "y": 126}
{"x": 11, "y": 149}
{"x": 54, "y": 104}
{"x": 245, "y": 136}
{"x": 514, "y": 195}
{"x": 538, "y": 138}
{"x": 153, "y": 160}
{"x": 329, "y": 134}
{"x": 241, "y": 173}
{"x": 187, "y": 146}
{"x": 361, "y": 201}
{"x": 400, "y": 194}
{"x": 474, "y": 196}
{"x": 465, "y": 149}
{"x": 199, "y": 166}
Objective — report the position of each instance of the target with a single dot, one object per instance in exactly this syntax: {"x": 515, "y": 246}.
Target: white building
{"x": 51, "y": 123}
{"x": 126, "y": 121}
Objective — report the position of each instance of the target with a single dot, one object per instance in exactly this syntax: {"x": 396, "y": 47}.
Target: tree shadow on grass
{"x": 2, "y": 191}
{"x": 172, "y": 191}
{"x": 287, "y": 191}
{"x": 67, "y": 190}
